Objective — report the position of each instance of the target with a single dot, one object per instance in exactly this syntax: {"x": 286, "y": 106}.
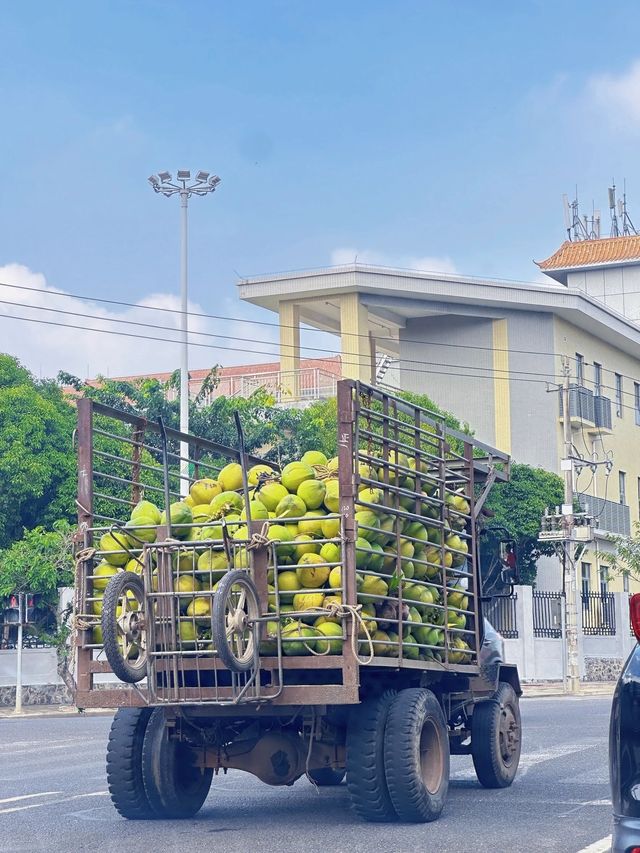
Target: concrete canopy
{"x": 393, "y": 296}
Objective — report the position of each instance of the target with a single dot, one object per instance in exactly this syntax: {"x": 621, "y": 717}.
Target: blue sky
{"x": 409, "y": 132}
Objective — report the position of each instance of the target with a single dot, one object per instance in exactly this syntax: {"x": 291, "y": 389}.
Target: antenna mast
{"x": 615, "y": 230}
{"x": 577, "y": 228}
{"x": 628, "y": 227}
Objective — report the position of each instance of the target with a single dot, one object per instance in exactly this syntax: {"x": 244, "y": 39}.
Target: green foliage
{"x": 625, "y": 560}
{"x": 38, "y": 563}
{"x": 37, "y": 461}
{"x": 519, "y": 505}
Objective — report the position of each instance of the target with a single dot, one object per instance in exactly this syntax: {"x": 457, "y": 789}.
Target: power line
{"x": 232, "y": 319}
{"x": 254, "y": 351}
{"x": 360, "y": 358}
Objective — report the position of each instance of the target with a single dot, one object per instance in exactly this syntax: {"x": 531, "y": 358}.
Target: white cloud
{"x": 45, "y": 349}
{"x": 617, "y": 95}
{"x": 425, "y": 263}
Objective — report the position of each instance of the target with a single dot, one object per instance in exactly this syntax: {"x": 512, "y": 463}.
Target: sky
{"x": 424, "y": 134}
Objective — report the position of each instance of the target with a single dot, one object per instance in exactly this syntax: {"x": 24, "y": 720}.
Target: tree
{"x": 625, "y": 560}
{"x": 519, "y": 505}
{"x": 37, "y": 461}
{"x": 38, "y": 564}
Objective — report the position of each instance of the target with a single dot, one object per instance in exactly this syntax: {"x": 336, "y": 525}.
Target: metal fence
{"x": 598, "y": 613}
{"x": 9, "y": 638}
{"x": 501, "y": 612}
{"x": 547, "y": 614}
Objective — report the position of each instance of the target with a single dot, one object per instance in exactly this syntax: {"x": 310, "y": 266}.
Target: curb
{"x": 53, "y": 711}
{"x": 556, "y": 690}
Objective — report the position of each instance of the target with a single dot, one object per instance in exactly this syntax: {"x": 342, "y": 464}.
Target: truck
{"x": 196, "y": 629}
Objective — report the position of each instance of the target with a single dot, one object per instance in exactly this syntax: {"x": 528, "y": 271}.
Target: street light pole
{"x": 184, "y": 352}
{"x": 184, "y": 186}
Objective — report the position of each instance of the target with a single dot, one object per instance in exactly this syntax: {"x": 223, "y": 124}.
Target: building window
{"x": 586, "y": 577}
{"x": 625, "y": 582}
{"x": 618, "y": 395}
{"x": 579, "y": 369}
{"x": 622, "y": 487}
{"x": 604, "y": 580}
{"x": 597, "y": 379}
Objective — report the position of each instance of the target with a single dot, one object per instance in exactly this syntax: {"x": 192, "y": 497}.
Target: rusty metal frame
{"x": 463, "y": 468}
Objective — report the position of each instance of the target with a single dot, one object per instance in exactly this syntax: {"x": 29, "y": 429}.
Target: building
{"x": 315, "y": 379}
{"x": 490, "y": 351}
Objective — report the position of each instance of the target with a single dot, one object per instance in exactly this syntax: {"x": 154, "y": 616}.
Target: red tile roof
{"x": 588, "y": 253}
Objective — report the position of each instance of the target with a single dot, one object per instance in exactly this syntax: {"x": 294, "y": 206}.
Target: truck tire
{"x": 366, "y": 782}
{"x": 175, "y": 787}
{"x": 326, "y": 776}
{"x": 496, "y": 738}
{"x": 124, "y": 648}
{"x": 124, "y": 764}
{"x": 416, "y": 755}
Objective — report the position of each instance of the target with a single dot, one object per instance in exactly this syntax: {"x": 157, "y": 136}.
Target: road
{"x": 53, "y": 798}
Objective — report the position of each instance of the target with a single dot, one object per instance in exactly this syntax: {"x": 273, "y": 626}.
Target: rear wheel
{"x": 123, "y": 630}
{"x": 326, "y": 776}
{"x": 366, "y": 780}
{"x": 416, "y": 755}
{"x": 234, "y": 615}
{"x": 124, "y": 763}
{"x": 496, "y": 738}
{"x": 175, "y": 787}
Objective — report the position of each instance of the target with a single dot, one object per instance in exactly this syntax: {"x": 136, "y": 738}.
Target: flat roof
{"x": 394, "y": 296}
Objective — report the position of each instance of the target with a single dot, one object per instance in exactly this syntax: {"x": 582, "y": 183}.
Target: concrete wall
{"x": 622, "y": 443}
{"x": 39, "y": 666}
{"x": 424, "y": 354}
{"x": 617, "y": 287}
{"x": 467, "y": 388}
{"x": 541, "y": 658}
{"x": 534, "y": 412}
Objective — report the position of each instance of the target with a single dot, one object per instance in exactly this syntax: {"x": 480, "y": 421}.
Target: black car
{"x": 624, "y": 748}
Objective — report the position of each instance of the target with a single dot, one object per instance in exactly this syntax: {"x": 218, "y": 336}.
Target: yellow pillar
{"x": 354, "y": 330}
{"x": 501, "y": 390}
{"x": 289, "y": 349}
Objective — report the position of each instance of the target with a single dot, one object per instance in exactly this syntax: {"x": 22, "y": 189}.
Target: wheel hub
{"x": 508, "y": 733}
{"x": 237, "y": 622}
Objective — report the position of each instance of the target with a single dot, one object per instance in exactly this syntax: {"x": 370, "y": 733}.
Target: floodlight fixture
{"x": 184, "y": 174}
{"x": 153, "y": 180}
{"x": 214, "y": 180}
{"x": 164, "y": 176}
{"x": 202, "y": 176}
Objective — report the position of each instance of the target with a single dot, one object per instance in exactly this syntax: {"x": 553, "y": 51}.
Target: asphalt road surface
{"x": 53, "y": 798}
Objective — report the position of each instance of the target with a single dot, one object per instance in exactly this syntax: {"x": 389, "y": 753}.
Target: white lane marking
{"x": 30, "y": 796}
{"x": 602, "y": 846}
{"x": 53, "y": 802}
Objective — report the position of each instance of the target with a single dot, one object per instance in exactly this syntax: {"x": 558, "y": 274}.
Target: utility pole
{"x": 570, "y": 573}
{"x": 21, "y": 614}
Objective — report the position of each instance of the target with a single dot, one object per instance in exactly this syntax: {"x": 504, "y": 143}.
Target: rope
{"x": 344, "y": 611}
{"x": 85, "y": 555}
{"x": 83, "y": 508}
{"x": 312, "y": 733}
{"x": 260, "y": 540}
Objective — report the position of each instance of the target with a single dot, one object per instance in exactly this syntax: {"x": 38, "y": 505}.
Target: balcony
{"x": 609, "y": 517}
{"x": 602, "y": 414}
{"x": 293, "y": 388}
{"x": 581, "y": 407}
